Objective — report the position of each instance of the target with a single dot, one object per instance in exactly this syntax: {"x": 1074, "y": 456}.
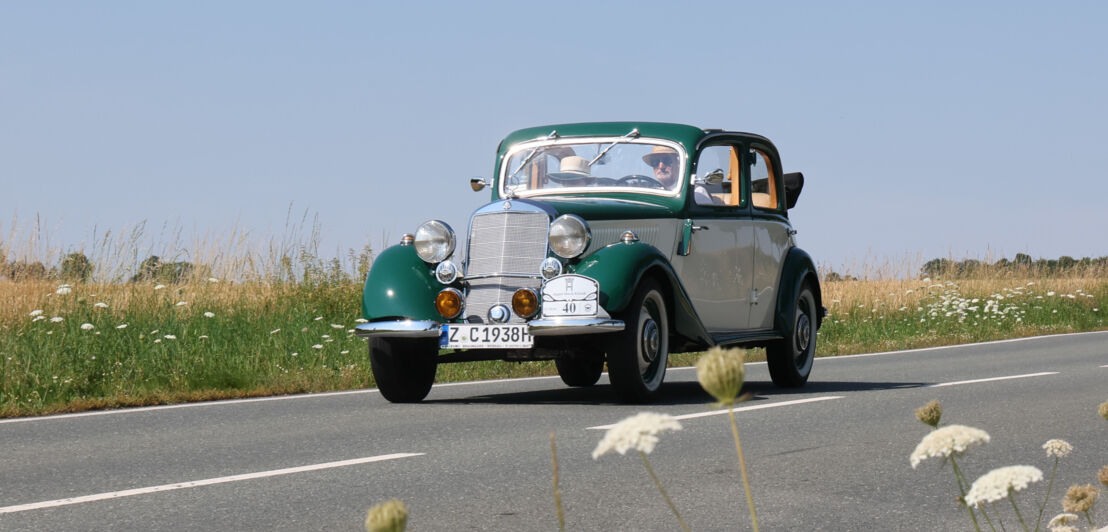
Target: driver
{"x": 663, "y": 160}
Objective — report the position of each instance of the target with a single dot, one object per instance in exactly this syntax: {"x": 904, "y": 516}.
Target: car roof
{"x": 688, "y": 136}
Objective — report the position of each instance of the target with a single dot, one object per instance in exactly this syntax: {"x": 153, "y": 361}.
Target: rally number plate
{"x": 466, "y": 336}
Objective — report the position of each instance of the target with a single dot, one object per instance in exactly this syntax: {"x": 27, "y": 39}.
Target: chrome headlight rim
{"x": 569, "y": 236}
{"x": 434, "y": 241}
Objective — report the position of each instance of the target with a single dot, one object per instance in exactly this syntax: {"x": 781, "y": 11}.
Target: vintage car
{"x": 617, "y": 242}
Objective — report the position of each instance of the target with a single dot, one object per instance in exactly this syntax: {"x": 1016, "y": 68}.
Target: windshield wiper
{"x": 531, "y": 155}
{"x": 633, "y": 134}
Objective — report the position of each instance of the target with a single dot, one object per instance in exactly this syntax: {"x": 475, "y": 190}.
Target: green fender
{"x": 797, "y": 269}
{"x": 619, "y": 268}
{"x": 400, "y": 285}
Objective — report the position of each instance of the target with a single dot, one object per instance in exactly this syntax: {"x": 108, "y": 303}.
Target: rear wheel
{"x": 580, "y": 368}
{"x": 637, "y": 355}
{"x": 790, "y": 359}
{"x": 404, "y": 368}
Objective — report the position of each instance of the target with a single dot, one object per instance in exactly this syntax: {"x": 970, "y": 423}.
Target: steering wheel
{"x": 639, "y": 180}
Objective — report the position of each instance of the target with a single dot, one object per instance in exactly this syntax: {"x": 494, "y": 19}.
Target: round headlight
{"x": 434, "y": 241}
{"x": 446, "y": 272}
{"x": 449, "y": 303}
{"x": 525, "y": 302}
{"x": 551, "y": 268}
{"x": 569, "y": 236}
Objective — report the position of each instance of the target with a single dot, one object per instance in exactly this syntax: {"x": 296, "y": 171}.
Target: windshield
{"x": 650, "y": 166}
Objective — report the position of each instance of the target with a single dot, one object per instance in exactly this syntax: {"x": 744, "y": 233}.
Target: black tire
{"x": 580, "y": 369}
{"x": 790, "y": 359}
{"x": 404, "y": 368}
{"x": 637, "y": 355}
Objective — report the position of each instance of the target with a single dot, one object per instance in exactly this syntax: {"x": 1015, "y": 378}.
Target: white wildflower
{"x": 213, "y": 280}
{"x": 361, "y": 320}
{"x": 638, "y": 432}
{"x": 317, "y": 318}
{"x": 1062, "y": 519}
{"x": 57, "y": 319}
{"x": 121, "y": 326}
{"x": 159, "y": 286}
{"x": 337, "y": 326}
{"x": 203, "y": 337}
{"x": 100, "y": 304}
{"x": 1050, "y": 293}
{"x": 294, "y": 354}
{"x": 947, "y": 441}
{"x": 87, "y": 327}
{"x": 999, "y": 483}
{"x": 275, "y": 331}
{"x": 157, "y": 340}
{"x": 36, "y": 318}
{"x": 1057, "y": 448}
{"x": 181, "y": 303}
{"x": 170, "y": 337}
{"x": 64, "y": 289}
{"x": 317, "y": 346}
{"x": 344, "y": 352}
{"x": 209, "y": 314}
{"x": 36, "y": 312}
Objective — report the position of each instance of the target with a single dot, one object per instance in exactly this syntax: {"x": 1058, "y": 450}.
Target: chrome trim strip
{"x": 566, "y": 326}
{"x": 512, "y": 275}
{"x": 400, "y": 328}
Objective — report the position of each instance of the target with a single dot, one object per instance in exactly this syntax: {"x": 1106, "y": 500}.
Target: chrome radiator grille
{"x": 503, "y": 243}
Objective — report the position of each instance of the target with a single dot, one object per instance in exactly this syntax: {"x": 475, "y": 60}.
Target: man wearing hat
{"x": 663, "y": 160}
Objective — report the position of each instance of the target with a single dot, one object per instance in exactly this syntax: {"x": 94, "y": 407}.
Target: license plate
{"x": 465, "y": 336}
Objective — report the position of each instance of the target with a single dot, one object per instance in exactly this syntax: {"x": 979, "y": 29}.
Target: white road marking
{"x": 198, "y": 483}
{"x": 994, "y": 379}
{"x": 740, "y": 409}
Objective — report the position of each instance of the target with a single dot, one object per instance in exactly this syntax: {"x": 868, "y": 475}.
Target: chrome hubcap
{"x": 803, "y": 334}
{"x": 651, "y": 339}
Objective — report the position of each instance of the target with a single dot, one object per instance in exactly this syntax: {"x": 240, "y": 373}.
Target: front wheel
{"x": 790, "y": 359}
{"x": 404, "y": 368}
{"x": 637, "y": 355}
{"x": 581, "y": 368}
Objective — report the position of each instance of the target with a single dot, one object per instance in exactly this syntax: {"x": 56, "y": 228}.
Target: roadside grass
{"x": 80, "y": 346}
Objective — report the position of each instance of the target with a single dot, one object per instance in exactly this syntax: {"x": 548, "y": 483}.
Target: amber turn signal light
{"x": 449, "y": 303}
{"x": 525, "y": 302}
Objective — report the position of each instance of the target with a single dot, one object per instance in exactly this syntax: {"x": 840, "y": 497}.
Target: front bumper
{"x": 539, "y": 327}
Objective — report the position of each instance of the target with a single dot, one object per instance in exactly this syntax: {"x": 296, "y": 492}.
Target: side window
{"x": 763, "y": 182}
{"x": 729, "y": 191}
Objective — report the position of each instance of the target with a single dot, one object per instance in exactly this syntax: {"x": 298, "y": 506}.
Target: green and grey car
{"x": 617, "y": 243}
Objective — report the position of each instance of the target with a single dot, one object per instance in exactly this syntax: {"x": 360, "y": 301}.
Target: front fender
{"x": 620, "y": 267}
{"x": 400, "y": 285}
{"x": 798, "y": 269}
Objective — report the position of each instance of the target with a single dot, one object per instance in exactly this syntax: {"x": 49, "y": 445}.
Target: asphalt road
{"x": 476, "y": 456}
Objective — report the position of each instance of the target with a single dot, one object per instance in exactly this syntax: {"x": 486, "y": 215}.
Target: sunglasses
{"x": 669, "y": 160}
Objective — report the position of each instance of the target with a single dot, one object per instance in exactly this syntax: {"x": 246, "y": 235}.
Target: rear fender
{"x": 797, "y": 270}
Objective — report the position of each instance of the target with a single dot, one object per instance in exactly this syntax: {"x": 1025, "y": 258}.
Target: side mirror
{"x": 714, "y": 177}
{"x": 794, "y": 183}
{"x": 478, "y": 183}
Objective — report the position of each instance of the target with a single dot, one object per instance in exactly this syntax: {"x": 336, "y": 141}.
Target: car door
{"x": 715, "y": 259}
{"x": 772, "y": 233}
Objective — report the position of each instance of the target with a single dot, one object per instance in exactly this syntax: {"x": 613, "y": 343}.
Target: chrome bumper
{"x": 540, "y": 327}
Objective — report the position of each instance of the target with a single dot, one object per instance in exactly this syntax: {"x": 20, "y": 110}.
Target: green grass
{"x": 237, "y": 340}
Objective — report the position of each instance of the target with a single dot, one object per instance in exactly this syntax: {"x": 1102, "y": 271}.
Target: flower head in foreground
{"x": 121, "y": 326}
{"x": 36, "y": 312}
{"x": 1080, "y": 498}
{"x": 1104, "y": 410}
{"x": 159, "y": 286}
{"x": 1057, "y": 448}
{"x": 930, "y": 413}
{"x": 64, "y": 289}
{"x": 1062, "y": 520}
{"x": 389, "y": 516}
{"x": 998, "y": 483}
{"x": 100, "y": 304}
{"x": 1102, "y": 475}
{"x": 953, "y": 440}
{"x": 57, "y": 319}
{"x": 87, "y": 327}
{"x": 638, "y": 432}
{"x": 209, "y": 314}
{"x": 721, "y": 373}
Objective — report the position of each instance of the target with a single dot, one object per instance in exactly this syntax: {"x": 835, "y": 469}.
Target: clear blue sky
{"x": 929, "y": 129}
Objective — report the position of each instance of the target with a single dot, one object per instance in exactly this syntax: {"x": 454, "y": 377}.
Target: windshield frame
{"x": 502, "y": 174}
